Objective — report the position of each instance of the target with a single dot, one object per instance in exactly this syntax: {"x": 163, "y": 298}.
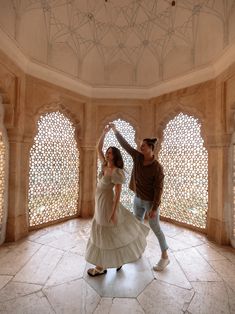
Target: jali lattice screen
{"x": 233, "y": 214}
{"x": 2, "y": 180}
{"x": 110, "y": 140}
{"x": 185, "y": 162}
{"x": 54, "y": 170}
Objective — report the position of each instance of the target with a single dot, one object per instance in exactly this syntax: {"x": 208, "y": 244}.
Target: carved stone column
{"x": 88, "y": 181}
{"x": 217, "y": 221}
{"x": 88, "y": 162}
{"x": 17, "y": 223}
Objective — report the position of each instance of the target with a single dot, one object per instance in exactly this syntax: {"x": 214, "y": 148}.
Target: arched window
{"x": 128, "y": 132}
{"x": 54, "y": 171}
{"x": 185, "y": 162}
{"x": 3, "y": 176}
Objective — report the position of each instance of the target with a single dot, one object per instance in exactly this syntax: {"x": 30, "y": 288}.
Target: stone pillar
{"x": 88, "y": 181}
{"x": 217, "y": 220}
{"x": 88, "y": 162}
{"x": 17, "y": 223}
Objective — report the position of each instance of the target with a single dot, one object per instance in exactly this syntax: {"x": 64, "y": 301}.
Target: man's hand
{"x": 152, "y": 213}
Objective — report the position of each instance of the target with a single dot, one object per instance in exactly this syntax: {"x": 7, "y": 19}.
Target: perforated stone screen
{"x": 233, "y": 215}
{"x": 185, "y": 162}
{"x": 54, "y": 170}
{"x": 110, "y": 140}
{"x": 2, "y": 178}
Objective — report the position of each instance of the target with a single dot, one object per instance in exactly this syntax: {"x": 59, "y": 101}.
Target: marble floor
{"x": 46, "y": 273}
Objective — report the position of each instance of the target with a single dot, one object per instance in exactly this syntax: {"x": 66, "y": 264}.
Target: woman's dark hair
{"x": 151, "y": 142}
{"x": 117, "y": 157}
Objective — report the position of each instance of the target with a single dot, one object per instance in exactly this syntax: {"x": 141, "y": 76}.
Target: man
{"x": 147, "y": 184}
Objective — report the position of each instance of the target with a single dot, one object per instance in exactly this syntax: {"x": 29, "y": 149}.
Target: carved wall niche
{"x": 229, "y": 103}
{"x": 9, "y": 85}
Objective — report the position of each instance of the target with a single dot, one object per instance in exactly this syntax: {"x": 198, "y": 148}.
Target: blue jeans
{"x": 141, "y": 207}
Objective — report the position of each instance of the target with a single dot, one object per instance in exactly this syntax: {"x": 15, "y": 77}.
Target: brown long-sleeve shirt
{"x": 146, "y": 180}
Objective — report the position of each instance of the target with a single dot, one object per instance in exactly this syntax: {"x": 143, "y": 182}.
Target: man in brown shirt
{"x": 147, "y": 184}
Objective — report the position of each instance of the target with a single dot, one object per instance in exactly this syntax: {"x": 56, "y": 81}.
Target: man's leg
{"x": 155, "y": 226}
{"x": 138, "y": 210}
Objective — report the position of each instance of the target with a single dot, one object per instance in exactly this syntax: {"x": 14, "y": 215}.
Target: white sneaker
{"x": 161, "y": 264}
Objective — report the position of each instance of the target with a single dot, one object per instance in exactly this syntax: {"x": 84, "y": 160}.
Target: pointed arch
{"x": 178, "y": 108}
{"x": 185, "y": 162}
{"x": 53, "y": 168}
{"x": 57, "y": 106}
{"x": 122, "y": 116}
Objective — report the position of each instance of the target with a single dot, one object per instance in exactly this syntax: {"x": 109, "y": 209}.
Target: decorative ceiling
{"x": 121, "y": 43}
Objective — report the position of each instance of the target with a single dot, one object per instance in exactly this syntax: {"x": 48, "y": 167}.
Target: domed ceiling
{"x": 125, "y": 43}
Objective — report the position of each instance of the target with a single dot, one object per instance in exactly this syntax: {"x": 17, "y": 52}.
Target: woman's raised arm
{"x": 100, "y": 144}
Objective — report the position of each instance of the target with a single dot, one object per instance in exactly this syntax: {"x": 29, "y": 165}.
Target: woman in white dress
{"x": 116, "y": 237}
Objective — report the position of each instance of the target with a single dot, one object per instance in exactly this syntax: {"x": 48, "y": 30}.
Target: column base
{"x": 217, "y": 232}
{"x": 87, "y": 209}
{"x": 16, "y": 228}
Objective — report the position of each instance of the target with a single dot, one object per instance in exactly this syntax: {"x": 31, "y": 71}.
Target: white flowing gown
{"x": 112, "y": 245}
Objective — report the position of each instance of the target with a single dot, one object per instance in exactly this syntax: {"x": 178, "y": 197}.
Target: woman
{"x": 147, "y": 184}
{"x": 117, "y": 237}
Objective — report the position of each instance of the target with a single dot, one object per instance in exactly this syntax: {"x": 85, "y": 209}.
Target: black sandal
{"x": 119, "y": 268}
{"x": 93, "y": 272}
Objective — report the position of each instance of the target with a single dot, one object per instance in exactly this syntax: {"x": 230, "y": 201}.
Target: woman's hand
{"x": 112, "y": 126}
{"x": 106, "y": 129}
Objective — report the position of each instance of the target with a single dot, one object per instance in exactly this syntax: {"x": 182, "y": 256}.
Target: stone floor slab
{"x": 130, "y": 281}
{"x": 73, "y": 297}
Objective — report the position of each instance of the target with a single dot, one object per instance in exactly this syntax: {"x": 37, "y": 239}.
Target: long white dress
{"x": 112, "y": 245}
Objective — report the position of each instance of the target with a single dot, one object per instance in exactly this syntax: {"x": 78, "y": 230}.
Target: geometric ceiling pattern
{"x": 130, "y": 43}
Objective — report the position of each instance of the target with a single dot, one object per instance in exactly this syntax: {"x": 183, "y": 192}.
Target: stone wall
{"x": 25, "y": 98}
